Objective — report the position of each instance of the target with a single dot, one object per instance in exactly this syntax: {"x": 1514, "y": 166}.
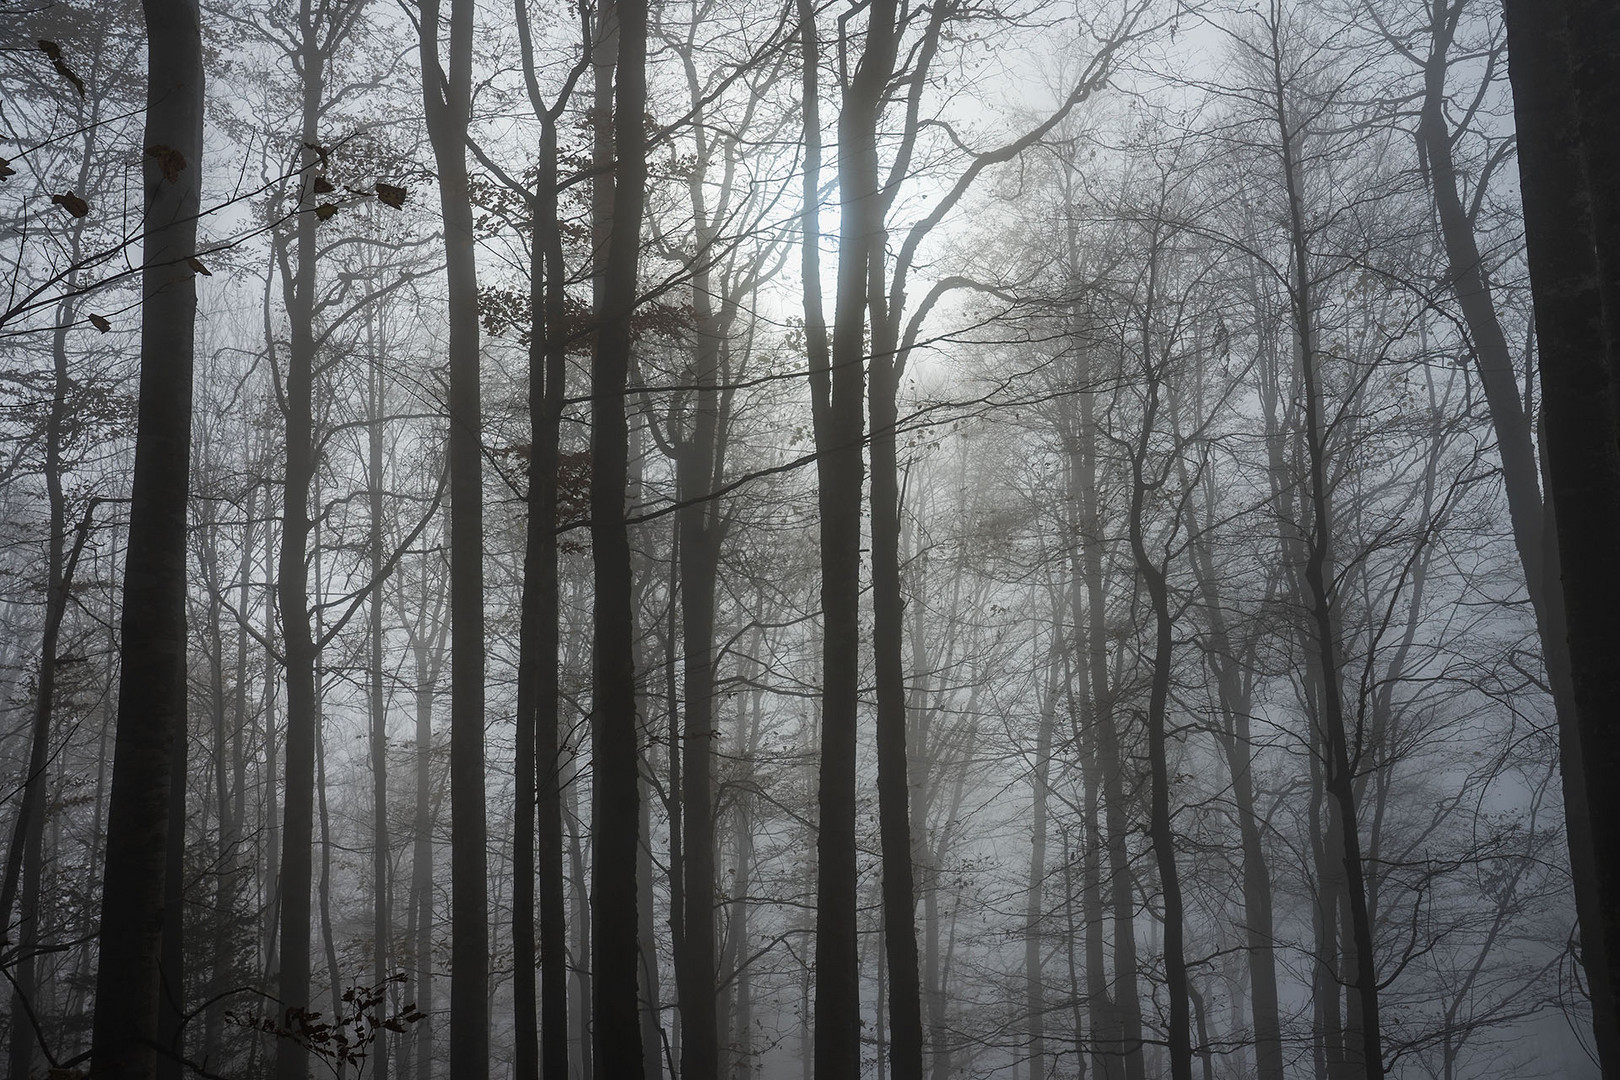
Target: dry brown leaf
{"x": 170, "y": 160}
{"x": 71, "y": 203}
{"x": 54, "y": 51}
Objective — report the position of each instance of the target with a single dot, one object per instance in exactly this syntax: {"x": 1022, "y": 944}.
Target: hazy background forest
{"x": 739, "y": 539}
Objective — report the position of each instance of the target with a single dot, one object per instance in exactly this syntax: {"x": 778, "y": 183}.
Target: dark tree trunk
{"x": 292, "y": 574}
{"x": 616, "y": 817}
{"x": 447, "y": 93}
{"x": 699, "y": 467}
{"x": 888, "y": 610}
{"x": 152, "y": 683}
{"x": 1161, "y": 830}
{"x": 837, "y": 384}
{"x": 1515, "y": 444}
{"x": 172, "y": 1010}
{"x": 539, "y": 781}
{"x": 1568, "y": 215}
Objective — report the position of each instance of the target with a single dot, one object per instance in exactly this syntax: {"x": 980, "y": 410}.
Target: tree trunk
{"x": 837, "y": 376}
{"x": 1516, "y": 447}
{"x": 1569, "y": 265}
{"x": 447, "y": 94}
{"x": 292, "y": 576}
{"x": 152, "y": 683}
{"x": 1034, "y": 907}
{"x": 1160, "y": 824}
{"x": 888, "y": 637}
{"x": 698, "y": 470}
{"x": 428, "y": 659}
{"x": 1362, "y": 1034}
{"x": 382, "y": 930}
{"x": 171, "y": 1009}
{"x": 24, "y": 855}
{"x": 616, "y": 817}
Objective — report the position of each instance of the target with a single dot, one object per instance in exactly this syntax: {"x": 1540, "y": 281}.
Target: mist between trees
{"x": 810, "y": 539}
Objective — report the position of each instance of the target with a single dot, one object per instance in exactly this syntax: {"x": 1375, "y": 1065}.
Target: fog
{"x": 874, "y": 539}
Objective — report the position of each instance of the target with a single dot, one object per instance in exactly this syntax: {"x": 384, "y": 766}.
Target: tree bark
{"x": 382, "y": 930}
{"x": 837, "y": 377}
{"x": 1516, "y": 446}
{"x": 615, "y": 737}
{"x": 447, "y": 95}
{"x": 1161, "y": 830}
{"x": 1570, "y": 263}
{"x": 292, "y": 571}
{"x": 152, "y": 683}
{"x": 1363, "y": 1029}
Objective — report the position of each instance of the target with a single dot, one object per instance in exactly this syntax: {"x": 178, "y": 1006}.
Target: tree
{"x": 1559, "y": 62}
{"x": 446, "y": 98}
{"x": 616, "y": 818}
{"x": 152, "y": 687}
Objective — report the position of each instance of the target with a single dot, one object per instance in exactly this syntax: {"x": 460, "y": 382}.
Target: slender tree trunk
{"x": 1121, "y": 1039}
{"x": 421, "y": 902}
{"x": 152, "y": 684}
{"x": 1320, "y": 596}
{"x": 539, "y": 821}
{"x": 1258, "y": 927}
{"x": 888, "y": 636}
{"x": 616, "y": 818}
{"x": 1035, "y": 907}
{"x": 25, "y": 852}
{"x": 292, "y": 577}
{"x": 1152, "y": 573}
{"x": 447, "y": 94}
{"x": 698, "y": 469}
{"x": 584, "y": 988}
{"x": 837, "y": 375}
{"x": 382, "y": 930}
{"x": 229, "y": 776}
{"x": 1161, "y": 830}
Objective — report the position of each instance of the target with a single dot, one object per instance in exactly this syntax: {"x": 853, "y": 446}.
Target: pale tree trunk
{"x": 382, "y": 930}
{"x": 1117, "y": 1014}
{"x": 25, "y": 852}
{"x": 1034, "y": 906}
{"x": 1363, "y": 1040}
{"x": 24, "y": 855}
{"x": 152, "y": 683}
{"x": 229, "y": 777}
{"x": 427, "y": 648}
{"x": 1235, "y": 700}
